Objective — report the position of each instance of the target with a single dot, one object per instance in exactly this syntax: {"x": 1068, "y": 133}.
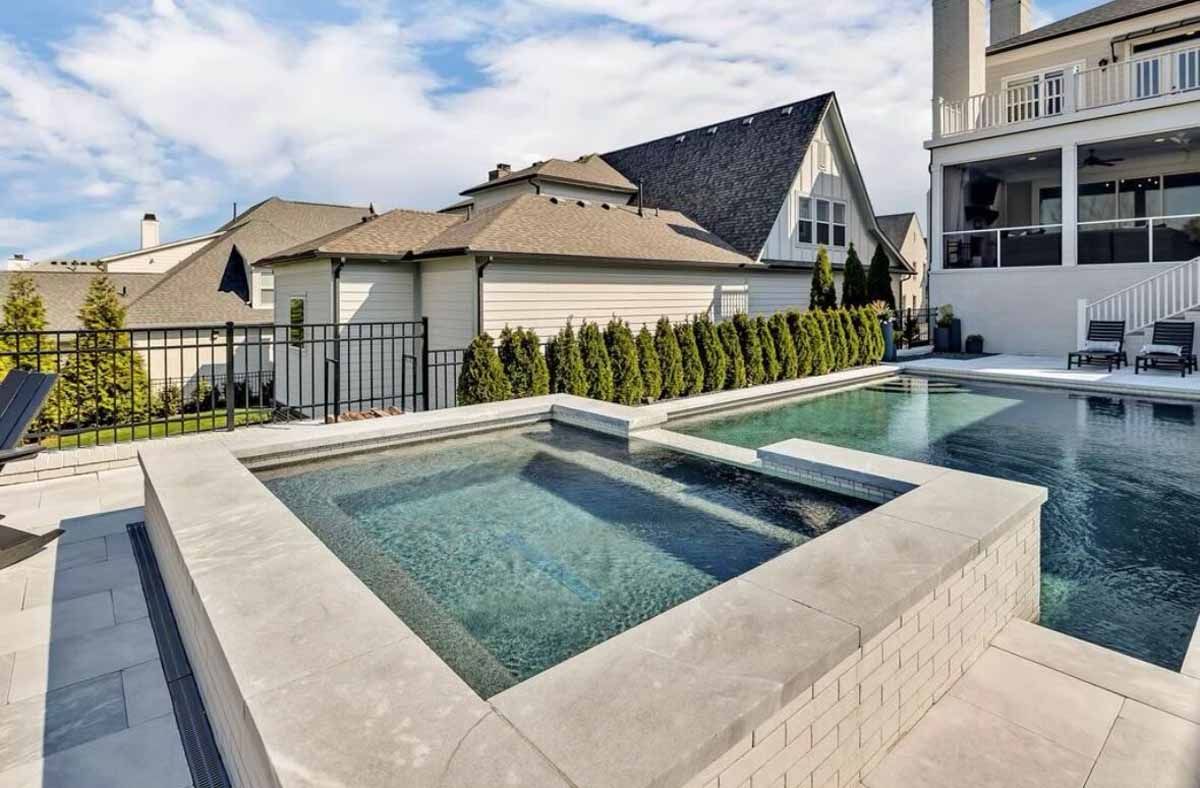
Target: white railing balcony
{"x": 1161, "y": 74}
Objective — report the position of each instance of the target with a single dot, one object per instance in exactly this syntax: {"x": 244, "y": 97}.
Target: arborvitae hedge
{"x": 771, "y": 364}
{"x": 524, "y": 365}
{"x": 804, "y": 358}
{"x": 823, "y": 292}
{"x": 735, "y": 370}
{"x": 482, "y": 378}
{"x": 850, "y": 331}
{"x": 837, "y": 338}
{"x": 567, "y": 375}
{"x": 596, "y": 364}
{"x": 626, "y": 369}
{"x": 670, "y": 359}
{"x": 816, "y": 340}
{"x": 875, "y": 328}
{"x": 854, "y": 281}
{"x": 712, "y": 356}
{"x": 785, "y": 345}
{"x": 751, "y": 349}
{"x": 693, "y": 364}
{"x": 879, "y": 279}
{"x": 652, "y": 380}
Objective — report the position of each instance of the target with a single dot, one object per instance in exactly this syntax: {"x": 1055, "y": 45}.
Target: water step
{"x": 925, "y": 387}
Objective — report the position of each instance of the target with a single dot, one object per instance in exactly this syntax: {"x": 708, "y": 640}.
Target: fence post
{"x": 424, "y": 363}
{"x": 230, "y": 389}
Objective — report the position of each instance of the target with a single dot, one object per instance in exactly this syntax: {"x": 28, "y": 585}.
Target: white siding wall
{"x": 380, "y": 363}
{"x": 830, "y": 183}
{"x": 299, "y": 376}
{"x": 155, "y": 261}
{"x": 448, "y": 294}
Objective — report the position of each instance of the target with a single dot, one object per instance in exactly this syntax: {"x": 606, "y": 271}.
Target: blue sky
{"x": 111, "y": 108}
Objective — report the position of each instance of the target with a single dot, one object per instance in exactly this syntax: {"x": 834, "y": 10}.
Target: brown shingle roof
{"x": 396, "y": 232}
{"x": 63, "y": 291}
{"x": 588, "y": 170}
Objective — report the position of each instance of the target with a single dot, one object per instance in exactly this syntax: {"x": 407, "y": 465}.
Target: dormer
{"x": 586, "y": 178}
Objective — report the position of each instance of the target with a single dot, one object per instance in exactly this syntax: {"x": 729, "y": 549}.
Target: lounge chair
{"x": 22, "y": 395}
{"x": 1105, "y": 345}
{"x": 1171, "y": 347}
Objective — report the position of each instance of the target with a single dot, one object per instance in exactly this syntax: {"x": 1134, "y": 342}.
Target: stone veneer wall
{"x": 839, "y": 728}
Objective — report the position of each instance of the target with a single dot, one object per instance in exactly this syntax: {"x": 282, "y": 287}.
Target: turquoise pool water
{"x": 1121, "y": 531}
{"x": 512, "y": 551}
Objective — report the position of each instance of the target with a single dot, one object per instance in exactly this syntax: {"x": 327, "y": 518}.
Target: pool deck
{"x": 1052, "y": 371}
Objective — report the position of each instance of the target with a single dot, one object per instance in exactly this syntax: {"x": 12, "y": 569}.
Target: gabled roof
{"x": 1104, "y": 14}
{"x": 63, "y": 291}
{"x": 395, "y": 233}
{"x": 730, "y": 176}
{"x": 895, "y": 226}
{"x": 589, "y": 170}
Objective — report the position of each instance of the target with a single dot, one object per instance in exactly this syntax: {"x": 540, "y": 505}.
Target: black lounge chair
{"x": 1102, "y": 331}
{"x": 1181, "y": 333}
{"x": 22, "y": 395}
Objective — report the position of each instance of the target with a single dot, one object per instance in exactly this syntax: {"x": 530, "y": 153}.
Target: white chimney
{"x": 149, "y": 231}
{"x": 1010, "y": 18}
{"x": 958, "y": 48}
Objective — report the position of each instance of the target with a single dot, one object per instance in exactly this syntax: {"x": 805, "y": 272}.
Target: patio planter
{"x": 948, "y": 339}
{"x": 974, "y": 344}
{"x": 955, "y": 335}
{"x": 889, "y": 341}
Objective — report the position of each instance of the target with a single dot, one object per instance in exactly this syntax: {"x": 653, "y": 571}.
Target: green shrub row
{"x": 674, "y": 360}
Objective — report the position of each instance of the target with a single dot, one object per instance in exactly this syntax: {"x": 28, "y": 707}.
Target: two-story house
{"x": 1065, "y": 168}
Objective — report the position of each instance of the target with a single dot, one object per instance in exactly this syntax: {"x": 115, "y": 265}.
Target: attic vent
{"x": 787, "y": 111}
{"x": 582, "y": 203}
{"x": 747, "y": 121}
{"x": 680, "y": 138}
{"x": 712, "y": 130}
{"x": 554, "y": 200}
{"x": 605, "y": 206}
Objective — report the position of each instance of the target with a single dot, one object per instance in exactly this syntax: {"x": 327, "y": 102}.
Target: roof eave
{"x": 551, "y": 178}
{"x": 1006, "y": 46}
{"x": 566, "y": 258}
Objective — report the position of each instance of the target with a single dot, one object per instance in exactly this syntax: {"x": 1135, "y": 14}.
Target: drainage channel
{"x": 204, "y": 760}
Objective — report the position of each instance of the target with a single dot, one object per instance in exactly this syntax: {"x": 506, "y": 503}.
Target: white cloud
{"x": 181, "y": 108}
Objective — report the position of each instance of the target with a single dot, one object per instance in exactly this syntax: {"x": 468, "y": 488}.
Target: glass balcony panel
{"x": 969, "y": 250}
{"x": 1030, "y": 246}
{"x": 1114, "y": 242}
{"x": 1176, "y": 240}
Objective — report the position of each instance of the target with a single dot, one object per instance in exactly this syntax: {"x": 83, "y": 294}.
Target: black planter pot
{"x": 889, "y": 341}
{"x": 974, "y": 344}
{"x": 955, "y": 335}
{"x": 941, "y": 339}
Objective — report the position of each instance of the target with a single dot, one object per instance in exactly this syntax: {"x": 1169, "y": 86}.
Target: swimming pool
{"x": 1121, "y": 531}
{"x": 512, "y": 551}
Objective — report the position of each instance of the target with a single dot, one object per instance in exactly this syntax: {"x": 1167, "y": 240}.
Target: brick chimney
{"x": 1010, "y": 18}
{"x": 501, "y": 171}
{"x": 958, "y": 48}
{"x": 149, "y": 231}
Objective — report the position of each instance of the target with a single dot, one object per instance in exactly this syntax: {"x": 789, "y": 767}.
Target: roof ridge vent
{"x": 605, "y": 206}
{"x": 787, "y": 110}
{"x": 712, "y": 130}
{"x": 680, "y": 138}
{"x": 582, "y": 203}
{"x": 553, "y": 200}
{"x": 747, "y": 121}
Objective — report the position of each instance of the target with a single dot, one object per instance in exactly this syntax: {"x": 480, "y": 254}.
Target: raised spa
{"x": 512, "y": 551}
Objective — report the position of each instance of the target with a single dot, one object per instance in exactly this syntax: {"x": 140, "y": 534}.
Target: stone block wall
{"x": 841, "y": 726}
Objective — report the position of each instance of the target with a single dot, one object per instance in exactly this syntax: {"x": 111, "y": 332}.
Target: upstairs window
{"x": 804, "y": 226}
{"x": 821, "y": 221}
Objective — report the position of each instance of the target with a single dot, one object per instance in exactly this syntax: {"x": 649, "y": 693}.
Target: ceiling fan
{"x": 1093, "y": 160}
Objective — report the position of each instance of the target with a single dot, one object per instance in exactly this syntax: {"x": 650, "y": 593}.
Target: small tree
{"x": 691, "y": 361}
{"x": 823, "y": 293}
{"x": 567, "y": 375}
{"x": 712, "y": 355}
{"x": 804, "y": 352}
{"x": 837, "y": 339}
{"x": 521, "y": 356}
{"x": 866, "y": 342}
{"x": 170, "y": 401}
{"x": 596, "y": 363}
{"x": 854, "y": 280}
{"x": 815, "y": 342}
{"x": 785, "y": 345}
{"x": 879, "y": 279}
{"x": 24, "y": 310}
{"x": 875, "y": 326}
{"x": 482, "y": 378}
{"x": 652, "y": 380}
{"x": 770, "y": 356}
{"x": 670, "y": 359}
{"x": 752, "y": 354}
{"x": 853, "y": 344}
{"x": 628, "y": 387}
{"x": 735, "y": 370}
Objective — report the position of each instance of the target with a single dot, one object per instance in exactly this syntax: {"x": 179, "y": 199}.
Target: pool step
{"x": 914, "y": 386}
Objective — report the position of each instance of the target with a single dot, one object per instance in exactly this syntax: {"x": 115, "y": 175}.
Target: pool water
{"x": 512, "y": 551}
{"x": 1121, "y": 531}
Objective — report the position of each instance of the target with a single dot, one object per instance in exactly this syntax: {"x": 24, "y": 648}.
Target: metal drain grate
{"x": 204, "y": 760}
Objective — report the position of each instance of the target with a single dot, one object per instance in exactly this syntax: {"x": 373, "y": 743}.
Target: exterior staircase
{"x": 1173, "y": 294}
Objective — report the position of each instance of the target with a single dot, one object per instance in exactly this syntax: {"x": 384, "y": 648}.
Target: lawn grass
{"x": 177, "y": 425}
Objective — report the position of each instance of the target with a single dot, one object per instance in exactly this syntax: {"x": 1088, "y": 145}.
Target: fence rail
{"x": 118, "y": 385}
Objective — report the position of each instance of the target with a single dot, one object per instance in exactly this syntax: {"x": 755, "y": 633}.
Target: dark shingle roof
{"x": 895, "y": 226}
{"x": 63, "y": 291}
{"x": 731, "y": 180}
{"x": 1104, "y": 14}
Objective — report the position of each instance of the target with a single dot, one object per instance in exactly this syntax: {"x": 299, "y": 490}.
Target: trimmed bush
{"x": 815, "y": 342}
{"x": 691, "y": 361}
{"x": 854, "y": 281}
{"x": 521, "y": 356}
{"x": 850, "y": 331}
{"x": 652, "y": 380}
{"x": 670, "y": 359}
{"x": 170, "y": 401}
{"x": 712, "y": 356}
{"x": 771, "y": 364}
{"x": 875, "y": 329}
{"x": 804, "y": 351}
{"x": 626, "y": 369}
{"x": 482, "y": 378}
{"x": 751, "y": 349}
{"x": 735, "y": 370}
{"x": 837, "y": 338}
{"x": 596, "y": 364}
{"x": 785, "y": 345}
{"x": 567, "y": 375}
{"x": 879, "y": 279}
{"x": 823, "y": 293}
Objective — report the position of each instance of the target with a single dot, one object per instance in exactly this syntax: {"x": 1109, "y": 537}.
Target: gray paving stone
{"x": 493, "y": 753}
{"x": 1163, "y": 689}
{"x": 957, "y": 744}
{"x": 12, "y": 589}
{"x": 118, "y": 545}
{"x": 146, "y": 694}
{"x": 45, "y": 724}
{"x": 979, "y": 507}
{"x": 904, "y": 561}
{"x": 678, "y": 690}
{"x": 1067, "y": 711}
{"x": 6, "y": 666}
{"x": 74, "y": 554}
{"x": 1149, "y": 747}
{"x": 99, "y": 522}
{"x": 79, "y": 581}
{"x": 129, "y": 603}
{"x": 388, "y": 718}
{"x": 861, "y": 466}
{"x": 44, "y": 623}
{"x": 47, "y": 667}
{"x": 145, "y": 756}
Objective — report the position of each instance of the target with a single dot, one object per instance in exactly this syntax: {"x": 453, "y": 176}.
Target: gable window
{"x": 296, "y": 322}
{"x": 821, "y": 221}
{"x": 804, "y": 226}
{"x": 839, "y": 224}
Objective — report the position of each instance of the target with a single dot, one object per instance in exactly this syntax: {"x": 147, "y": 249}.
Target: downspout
{"x": 337, "y": 334}
{"x": 480, "y": 266}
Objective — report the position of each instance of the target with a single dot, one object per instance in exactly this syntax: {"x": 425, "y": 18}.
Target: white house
{"x": 1065, "y": 184}
{"x": 723, "y": 218}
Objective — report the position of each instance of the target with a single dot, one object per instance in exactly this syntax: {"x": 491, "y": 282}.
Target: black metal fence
{"x": 914, "y": 327}
{"x": 139, "y": 383}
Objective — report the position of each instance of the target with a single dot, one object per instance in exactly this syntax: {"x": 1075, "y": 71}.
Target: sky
{"x": 113, "y": 108}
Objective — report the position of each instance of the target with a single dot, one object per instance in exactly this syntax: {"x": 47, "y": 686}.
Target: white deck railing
{"x": 1159, "y": 297}
{"x": 1164, "y": 73}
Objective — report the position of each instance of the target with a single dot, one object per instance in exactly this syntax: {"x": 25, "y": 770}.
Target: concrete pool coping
{"x": 310, "y": 679}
